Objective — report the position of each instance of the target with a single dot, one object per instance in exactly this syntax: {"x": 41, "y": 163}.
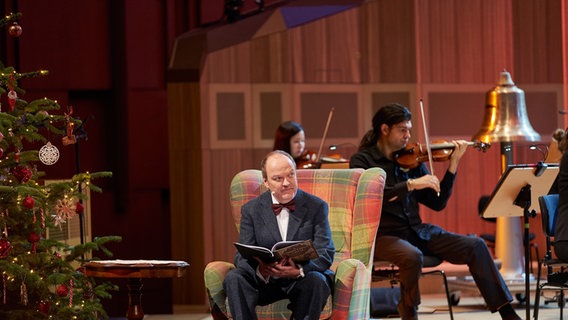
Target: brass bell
{"x": 506, "y": 114}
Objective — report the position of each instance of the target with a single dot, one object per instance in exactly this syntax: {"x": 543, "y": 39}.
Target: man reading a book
{"x": 283, "y": 213}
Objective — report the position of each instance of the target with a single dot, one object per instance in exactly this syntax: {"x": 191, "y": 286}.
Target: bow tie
{"x": 277, "y": 207}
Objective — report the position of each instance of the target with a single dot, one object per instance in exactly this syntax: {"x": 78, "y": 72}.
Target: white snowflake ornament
{"x": 48, "y": 154}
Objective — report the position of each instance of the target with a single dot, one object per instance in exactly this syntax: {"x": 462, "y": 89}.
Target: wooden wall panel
{"x": 270, "y": 114}
{"x": 326, "y": 50}
{"x": 463, "y": 41}
{"x": 187, "y": 206}
{"x": 316, "y": 107}
{"x": 388, "y": 51}
{"x": 270, "y": 58}
{"x": 271, "y": 105}
{"x": 230, "y": 65}
{"x": 538, "y": 41}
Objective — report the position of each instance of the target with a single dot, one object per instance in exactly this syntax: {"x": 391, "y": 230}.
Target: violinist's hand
{"x": 460, "y": 147}
{"x": 426, "y": 181}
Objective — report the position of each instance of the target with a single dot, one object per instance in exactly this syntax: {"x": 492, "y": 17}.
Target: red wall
{"x": 107, "y": 59}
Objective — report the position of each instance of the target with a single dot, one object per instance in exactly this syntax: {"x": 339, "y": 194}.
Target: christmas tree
{"x": 39, "y": 275}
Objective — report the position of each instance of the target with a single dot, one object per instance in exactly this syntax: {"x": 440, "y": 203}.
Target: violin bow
{"x": 324, "y": 134}
{"x": 428, "y": 148}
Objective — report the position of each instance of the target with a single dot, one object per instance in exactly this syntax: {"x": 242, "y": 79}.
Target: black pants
{"x": 451, "y": 247}
{"x": 561, "y": 249}
{"x": 308, "y": 295}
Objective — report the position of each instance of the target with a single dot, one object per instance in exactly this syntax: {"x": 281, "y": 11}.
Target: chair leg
{"x": 448, "y": 296}
{"x": 537, "y": 293}
{"x": 561, "y": 304}
{"x": 536, "y": 254}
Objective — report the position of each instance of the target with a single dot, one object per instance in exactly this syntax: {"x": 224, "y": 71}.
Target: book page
{"x": 299, "y": 252}
{"x": 283, "y": 244}
{"x": 250, "y": 251}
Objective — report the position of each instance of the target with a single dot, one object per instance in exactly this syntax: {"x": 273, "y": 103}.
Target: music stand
{"x": 516, "y": 195}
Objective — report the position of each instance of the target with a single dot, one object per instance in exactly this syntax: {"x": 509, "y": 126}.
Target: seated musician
{"x": 290, "y": 137}
{"x": 403, "y": 238}
{"x": 560, "y": 186}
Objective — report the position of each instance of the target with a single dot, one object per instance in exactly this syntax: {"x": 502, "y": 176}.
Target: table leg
{"x": 135, "y": 299}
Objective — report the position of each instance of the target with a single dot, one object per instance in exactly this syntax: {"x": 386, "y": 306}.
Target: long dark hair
{"x": 283, "y": 134}
{"x": 390, "y": 115}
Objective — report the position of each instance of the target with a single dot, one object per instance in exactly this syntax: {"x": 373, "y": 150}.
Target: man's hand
{"x": 265, "y": 269}
{"x": 285, "y": 268}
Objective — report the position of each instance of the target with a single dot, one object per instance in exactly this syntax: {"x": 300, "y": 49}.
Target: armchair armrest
{"x": 352, "y": 290}
{"x": 214, "y": 274}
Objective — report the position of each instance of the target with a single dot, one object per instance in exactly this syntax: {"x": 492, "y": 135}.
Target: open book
{"x": 299, "y": 251}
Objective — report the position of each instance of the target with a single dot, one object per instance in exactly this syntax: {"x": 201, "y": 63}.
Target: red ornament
{"x": 5, "y": 247}
{"x": 1, "y": 152}
{"x": 12, "y": 97}
{"x": 62, "y": 290}
{"x": 33, "y": 238}
{"x": 28, "y": 202}
{"x": 22, "y": 173}
{"x": 15, "y": 30}
{"x": 1, "y": 136}
{"x": 44, "y": 306}
{"x": 79, "y": 208}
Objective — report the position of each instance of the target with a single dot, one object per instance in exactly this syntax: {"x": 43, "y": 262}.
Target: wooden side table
{"x": 135, "y": 270}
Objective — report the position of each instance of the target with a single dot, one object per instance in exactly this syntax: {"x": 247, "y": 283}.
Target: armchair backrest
{"x": 354, "y": 197}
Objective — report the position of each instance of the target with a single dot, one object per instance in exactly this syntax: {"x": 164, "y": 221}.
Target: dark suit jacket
{"x": 308, "y": 221}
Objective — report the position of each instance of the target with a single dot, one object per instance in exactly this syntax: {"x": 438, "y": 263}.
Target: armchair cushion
{"x": 355, "y": 199}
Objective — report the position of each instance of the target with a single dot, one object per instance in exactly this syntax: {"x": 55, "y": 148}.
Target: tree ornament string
{"x": 42, "y": 218}
{"x": 4, "y": 285}
{"x": 4, "y": 217}
{"x": 24, "y": 293}
{"x": 71, "y": 293}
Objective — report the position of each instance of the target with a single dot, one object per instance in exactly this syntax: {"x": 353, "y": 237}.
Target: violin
{"x": 308, "y": 160}
{"x": 416, "y": 153}
{"x": 311, "y": 159}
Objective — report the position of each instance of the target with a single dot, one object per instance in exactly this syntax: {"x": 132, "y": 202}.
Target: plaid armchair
{"x": 355, "y": 199}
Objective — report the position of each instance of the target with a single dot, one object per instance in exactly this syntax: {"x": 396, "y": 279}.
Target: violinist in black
{"x": 403, "y": 238}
